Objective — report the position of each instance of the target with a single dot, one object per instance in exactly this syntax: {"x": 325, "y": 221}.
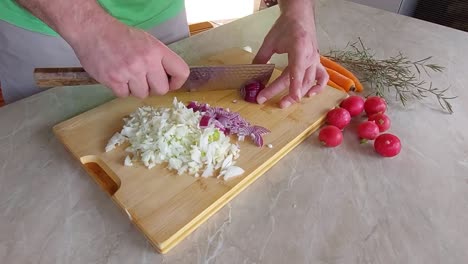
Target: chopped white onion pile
{"x": 174, "y": 136}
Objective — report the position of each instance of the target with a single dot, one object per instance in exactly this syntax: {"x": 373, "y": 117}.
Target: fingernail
{"x": 286, "y": 104}
{"x": 312, "y": 94}
{"x": 261, "y": 100}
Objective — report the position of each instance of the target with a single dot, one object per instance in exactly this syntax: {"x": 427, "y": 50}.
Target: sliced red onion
{"x": 218, "y": 125}
{"x": 205, "y": 121}
{"x": 224, "y": 120}
{"x": 229, "y": 122}
{"x": 220, "y": 111}
{"x": 260, "y": 130}
{"x": 210, "y": 112}
{"x": 244, "y": 131}
{"x": 193, "y": 105}
{"x": 257, "y": 139}
{"x": 204, "y": 107}
{"x": 250, "y": 91}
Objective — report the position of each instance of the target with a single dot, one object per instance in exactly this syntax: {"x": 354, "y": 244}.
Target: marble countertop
{"x": 343, "y": 205}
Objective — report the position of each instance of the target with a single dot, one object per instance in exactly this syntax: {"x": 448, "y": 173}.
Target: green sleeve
{"x": 143, "y": 14}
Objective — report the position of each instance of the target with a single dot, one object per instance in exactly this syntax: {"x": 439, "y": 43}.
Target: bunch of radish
{"x": 385, "y": 144}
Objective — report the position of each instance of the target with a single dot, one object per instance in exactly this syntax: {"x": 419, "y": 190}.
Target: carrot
{"x": 341, "y": 80}
{"x": 326, "y": 62}
{"x": 336, "y": 86}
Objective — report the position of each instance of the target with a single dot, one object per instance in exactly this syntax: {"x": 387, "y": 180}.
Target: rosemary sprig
{"x": 397, "y": 74}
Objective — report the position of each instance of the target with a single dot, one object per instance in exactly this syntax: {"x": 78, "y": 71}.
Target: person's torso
{"x": 138, "y": 13}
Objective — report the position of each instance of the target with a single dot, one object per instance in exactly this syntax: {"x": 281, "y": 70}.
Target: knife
{"x": 206, "y": 78}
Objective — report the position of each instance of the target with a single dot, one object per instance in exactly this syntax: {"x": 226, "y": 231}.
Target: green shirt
{"x": 142, "y": 14}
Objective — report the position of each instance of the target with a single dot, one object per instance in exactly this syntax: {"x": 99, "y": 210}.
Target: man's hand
{"x": 131, "y": 61}
{"x": 293, "y": 33}
{"x": 127, "y": 60}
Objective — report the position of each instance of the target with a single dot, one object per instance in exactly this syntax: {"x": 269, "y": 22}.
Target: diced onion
{"x": 116, "y": 140}
{"x": 232, "y": 172}
{"x": 128, "y": 161}
{"x": 173, "y": 136}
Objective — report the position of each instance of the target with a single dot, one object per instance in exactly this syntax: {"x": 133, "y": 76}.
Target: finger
{"x": 177, "y": 69}
{"x": 264, "y": 53}
{"x": 278, "y": 85}
{"x": 120, "y": 89}
{"x": 158, "y": 81}
{"x": 314, "y": 90}
{"x": 286, "y": 101}
{"x": 309, "y": 79}
{"x": 297, "y": 63}
{"x": 322, "y": 80}
{"x": 139, "y": 87}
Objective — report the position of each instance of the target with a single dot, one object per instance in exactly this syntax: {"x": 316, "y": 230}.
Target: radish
{"x": 374, "y": 105}
{"x": 382, "y": 121}
{"x": 330, "y": 136}
{"x": 368, "y": 130}
{"x": 387, "y": 145}
{"x": 354, "y": 104}
{"x": 338, "y": 117}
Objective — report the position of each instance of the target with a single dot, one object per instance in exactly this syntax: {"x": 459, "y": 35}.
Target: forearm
{"x": 297, "y": 7}
{"x": 301, "y": 11}
{"x": 70, "y": 18}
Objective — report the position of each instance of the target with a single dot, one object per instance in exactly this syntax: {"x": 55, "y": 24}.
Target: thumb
{"x": 264, "y": 54}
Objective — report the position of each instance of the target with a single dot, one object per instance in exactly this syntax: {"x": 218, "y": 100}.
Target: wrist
{"x": 297, "y": 9}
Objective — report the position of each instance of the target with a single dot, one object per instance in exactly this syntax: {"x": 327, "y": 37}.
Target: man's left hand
{"x": 293, "y": 33}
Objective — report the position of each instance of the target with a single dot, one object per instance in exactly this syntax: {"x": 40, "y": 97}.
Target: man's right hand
{"x": 130, "y": 61}
{"x": 127, "y": 60}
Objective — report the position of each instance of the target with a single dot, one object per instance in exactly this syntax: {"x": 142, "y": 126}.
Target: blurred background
{"x": 203, "y": 15}
{"x": 450, "y": 13}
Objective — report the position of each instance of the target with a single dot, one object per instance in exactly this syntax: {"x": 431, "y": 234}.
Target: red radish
{"x": 374, "y": 105}
{"x": 387, "y": 145}
{"x": 382, "y": 121}
{"x": 330, "y": 136}
{"x": 354, "y": 104}
{"x": 338, "y": 117}
{"x": 368, "y": 130}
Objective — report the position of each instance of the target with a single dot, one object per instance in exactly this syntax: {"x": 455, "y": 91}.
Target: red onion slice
{"x": 260, "y": 130}
{"x": 205, "y": 121}
{"x": 257, "y": 139}
{"x": 193, "y": 105}
{"x": 250, "y": 91}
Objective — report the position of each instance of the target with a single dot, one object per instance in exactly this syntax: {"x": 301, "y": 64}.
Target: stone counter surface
{"x": 343, "y": 205}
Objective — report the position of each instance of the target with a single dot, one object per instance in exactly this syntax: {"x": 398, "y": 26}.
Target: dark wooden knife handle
{"x": 52, "y": 77}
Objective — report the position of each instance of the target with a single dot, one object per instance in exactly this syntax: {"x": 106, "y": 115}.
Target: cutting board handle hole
{"x": 109, "y": 184}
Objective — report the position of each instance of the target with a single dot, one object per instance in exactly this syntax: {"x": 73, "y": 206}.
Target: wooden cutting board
{"x": 164, "y": 206}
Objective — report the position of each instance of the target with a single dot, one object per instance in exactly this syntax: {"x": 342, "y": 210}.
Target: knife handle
{"x": 51, "y": 77}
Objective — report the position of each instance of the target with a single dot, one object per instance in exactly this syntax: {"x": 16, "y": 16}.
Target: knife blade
{"x": 201, "y": 78}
